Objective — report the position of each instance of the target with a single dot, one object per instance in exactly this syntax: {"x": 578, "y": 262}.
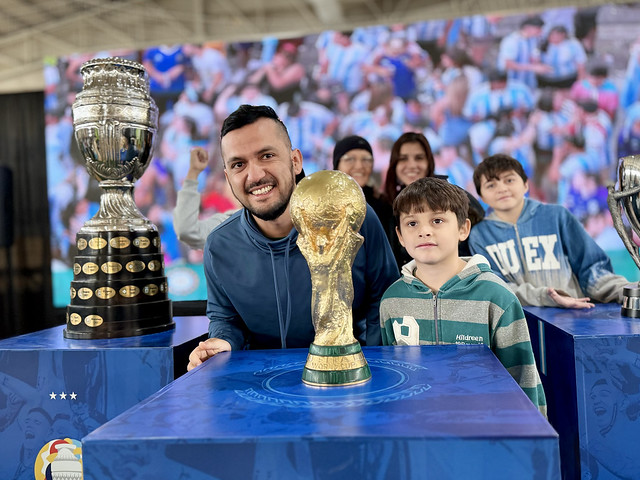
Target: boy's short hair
{"x": 436, "y": 194}
{"x": 491, "y": 167}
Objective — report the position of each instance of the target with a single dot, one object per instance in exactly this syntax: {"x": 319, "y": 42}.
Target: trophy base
{"x": 335, "y": 365}
{"x": 115, "y": 321}
{"x": 119, "y": 287}
{"x": 631, "y": 301}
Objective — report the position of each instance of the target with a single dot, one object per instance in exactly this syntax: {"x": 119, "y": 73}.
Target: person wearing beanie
{"x": 353, "y": 155}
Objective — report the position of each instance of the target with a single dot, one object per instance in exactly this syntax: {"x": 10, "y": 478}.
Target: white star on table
{"x": 73, "y": 395}
{"x": 52, "y": 396}
{"x": 63, "y": 396}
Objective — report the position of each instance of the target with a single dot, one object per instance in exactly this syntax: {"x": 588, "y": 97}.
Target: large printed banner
{"x": 556, "y": 89}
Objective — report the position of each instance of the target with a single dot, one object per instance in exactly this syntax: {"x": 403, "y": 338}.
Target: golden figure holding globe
{"x": 328, "y": 209}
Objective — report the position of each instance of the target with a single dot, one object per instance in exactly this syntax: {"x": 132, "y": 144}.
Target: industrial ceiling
{"x": 33, "y": 30}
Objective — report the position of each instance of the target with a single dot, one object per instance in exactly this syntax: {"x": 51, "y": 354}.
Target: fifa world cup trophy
{"x": 627, "y": 200}
{"x": 328, "y": 209}
{"x": 119, "y": 288}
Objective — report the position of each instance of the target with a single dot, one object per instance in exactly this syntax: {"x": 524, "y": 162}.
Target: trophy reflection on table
{"x": 328, "y": 209}
{"x": 627, "y": 199}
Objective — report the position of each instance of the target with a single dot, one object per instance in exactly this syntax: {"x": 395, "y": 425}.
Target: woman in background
{"x": 412, "y": 159}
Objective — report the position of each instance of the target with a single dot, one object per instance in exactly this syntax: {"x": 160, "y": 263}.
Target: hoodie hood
{"x": 528, "y": 211}
{"x": 475, "y": 265}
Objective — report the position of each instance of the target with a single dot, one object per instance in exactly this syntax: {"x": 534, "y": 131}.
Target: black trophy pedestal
{"x": 631, "y": 301}
{"x": 119, "y": 288}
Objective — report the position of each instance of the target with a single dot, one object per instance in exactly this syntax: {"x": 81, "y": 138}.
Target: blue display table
{"x": 589, "y": 361}
{"x": 428, "y": 412}
{"x": 52, "y": 388}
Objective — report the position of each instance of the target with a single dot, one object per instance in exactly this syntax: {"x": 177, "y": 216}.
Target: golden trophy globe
{"x": 328, "y": 208}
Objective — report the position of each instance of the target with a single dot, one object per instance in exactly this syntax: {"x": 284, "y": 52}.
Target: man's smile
{"x": 262, "y": 190}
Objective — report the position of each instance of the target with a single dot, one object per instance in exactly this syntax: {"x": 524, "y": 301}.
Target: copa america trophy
{"x": 119, "y": 287}
{"x": 327, "y": 209}
{"x": 627, "y": 199}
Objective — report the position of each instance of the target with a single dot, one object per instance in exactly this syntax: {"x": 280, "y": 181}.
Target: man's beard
{"x": 272, "y": 213}
{"x": 275, "y": 211}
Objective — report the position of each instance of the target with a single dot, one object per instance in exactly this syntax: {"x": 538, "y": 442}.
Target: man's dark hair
{"x": 434, "y": 193}
{"x": 248, "y": 114}
{"x": 495, "y": 165}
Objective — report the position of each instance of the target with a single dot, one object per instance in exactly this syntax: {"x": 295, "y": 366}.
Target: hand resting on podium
{"x": 565, "y": 300}
{"x": 207, "y": 349}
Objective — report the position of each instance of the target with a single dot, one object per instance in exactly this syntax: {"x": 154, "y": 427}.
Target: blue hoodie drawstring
{"x": 282, "y": 322}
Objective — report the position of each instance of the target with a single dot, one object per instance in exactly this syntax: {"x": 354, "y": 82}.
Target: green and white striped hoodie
{"x": 473, "y": 307}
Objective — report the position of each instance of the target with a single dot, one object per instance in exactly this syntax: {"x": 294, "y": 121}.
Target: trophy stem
{"x": 118, "y": 210}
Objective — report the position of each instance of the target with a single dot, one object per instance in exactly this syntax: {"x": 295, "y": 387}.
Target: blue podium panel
{"x": 56, "y": 390}
{"x": 589, "y": 361}
{"x": 428, "y": 412}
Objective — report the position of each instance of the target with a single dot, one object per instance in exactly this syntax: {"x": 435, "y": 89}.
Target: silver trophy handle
{"x": 613, "y": 199}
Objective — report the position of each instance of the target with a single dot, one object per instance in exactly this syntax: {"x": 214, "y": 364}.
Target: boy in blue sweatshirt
{"x": 542, "y": 251}
{"x": 444, "y": 299}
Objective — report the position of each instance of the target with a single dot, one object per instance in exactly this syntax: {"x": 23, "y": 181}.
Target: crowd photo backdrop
{"x": 556, "y": 89}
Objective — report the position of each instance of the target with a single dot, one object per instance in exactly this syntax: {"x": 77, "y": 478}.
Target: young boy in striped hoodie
{"x": 444, "y": 299}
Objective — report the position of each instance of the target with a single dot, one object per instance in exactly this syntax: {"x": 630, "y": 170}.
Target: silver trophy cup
{"x": 115, "y": 121}
{"x": 627, "y": 200}
{"x": 118, "y": 288}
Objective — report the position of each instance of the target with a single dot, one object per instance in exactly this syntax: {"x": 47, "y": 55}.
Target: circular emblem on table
{"x": 82, "y": 243}
{"x": 76, "y": 268}
{"x": 150, "y": 290}
{"x": 282, "y": 386}
{"x": 59, "y": 459}
{"x": 72, "y": 293}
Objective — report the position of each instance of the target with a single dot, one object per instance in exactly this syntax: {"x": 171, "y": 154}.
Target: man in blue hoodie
{"x": 258, "y": 282}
